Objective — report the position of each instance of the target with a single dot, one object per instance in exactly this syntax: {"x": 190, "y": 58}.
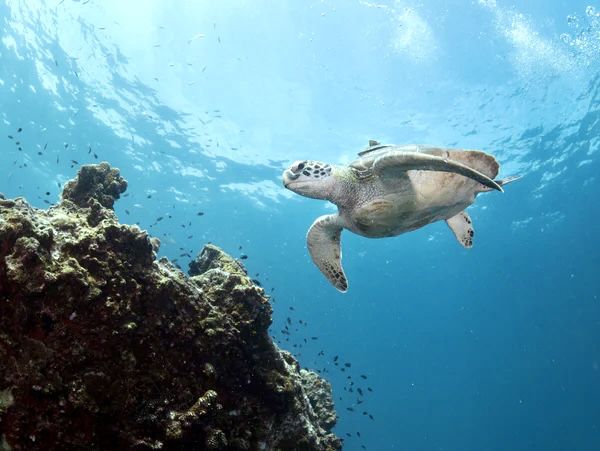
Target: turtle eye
{"x": 298, "y": 166}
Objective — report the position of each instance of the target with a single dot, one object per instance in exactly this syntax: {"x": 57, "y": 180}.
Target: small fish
{"x": 243, "y": 257}
{"x": 10, "y": 137}
{"x": 197, "y": 36}
{"x": 149, "y": 196}
{"x": 47, "y": 193}
{"x": 127, "y": 211}
{"x": 66, "y": 145}
{"x": 45, "y": 145}
{"x": 363, "y": 376}
{"x": 335, "y": 358}
{"x": 350, "y": 409}
{"x": 200, "y": 213}
{"x": 369, "y": 388}
{"x": 74, "y": 161}
{"x": 160, "y": 218}
{"x": 360, "y": 392}
{"x": 347, "y": 364}
{"x": 19, "y": 130}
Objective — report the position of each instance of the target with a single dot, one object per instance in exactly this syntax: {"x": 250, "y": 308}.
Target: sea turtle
{"x": 390, "y": 190}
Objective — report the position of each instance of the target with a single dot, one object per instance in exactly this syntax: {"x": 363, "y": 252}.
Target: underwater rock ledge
{"x": 102, "y": 346}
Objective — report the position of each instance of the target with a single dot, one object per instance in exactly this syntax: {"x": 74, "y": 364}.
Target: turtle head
{"x": 309, "y": 178}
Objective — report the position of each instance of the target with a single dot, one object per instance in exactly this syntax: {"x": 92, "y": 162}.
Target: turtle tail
{"x": 501, "y": 182}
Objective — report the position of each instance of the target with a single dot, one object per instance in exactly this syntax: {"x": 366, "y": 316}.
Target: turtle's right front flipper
{"x": 323, "y": 241}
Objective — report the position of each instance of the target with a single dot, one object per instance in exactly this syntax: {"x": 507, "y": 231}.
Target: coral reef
{"x": 102, "y": 346}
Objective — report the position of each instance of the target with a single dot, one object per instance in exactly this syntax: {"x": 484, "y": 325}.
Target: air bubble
{"x": 591, "y": 12}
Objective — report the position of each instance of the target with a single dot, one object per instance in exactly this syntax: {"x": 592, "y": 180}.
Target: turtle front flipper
{"x": 395, "y": 161}
{"x": 323, "y": 241}
{"x": 462, "y": 227}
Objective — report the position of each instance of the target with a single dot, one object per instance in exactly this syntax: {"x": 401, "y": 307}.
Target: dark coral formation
{"x": 95, "y": 182}
{"x": 104, "y": 347}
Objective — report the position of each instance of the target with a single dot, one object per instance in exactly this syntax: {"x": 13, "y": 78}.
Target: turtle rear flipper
{"x": 323, "y": 241}
{"x": 462, "y": 227}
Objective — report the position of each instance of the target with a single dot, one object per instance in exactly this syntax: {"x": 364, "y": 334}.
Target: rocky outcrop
{"x": 102, "y": 346}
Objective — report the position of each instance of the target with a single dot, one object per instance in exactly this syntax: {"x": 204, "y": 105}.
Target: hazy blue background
{"x": 202, "y": 104}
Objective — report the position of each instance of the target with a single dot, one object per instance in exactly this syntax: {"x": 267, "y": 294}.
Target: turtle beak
{"x": 288, "y": 176}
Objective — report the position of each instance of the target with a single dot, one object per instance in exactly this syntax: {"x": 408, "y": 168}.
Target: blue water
{"x": 203, "y": 104}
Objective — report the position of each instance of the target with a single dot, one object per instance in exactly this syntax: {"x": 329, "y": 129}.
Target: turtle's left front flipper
{"x": 396, "y": 161}
{"x": 323, "y": 241}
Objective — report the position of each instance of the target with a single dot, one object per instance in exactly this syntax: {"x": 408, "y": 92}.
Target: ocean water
{"x": 203, "y": 104}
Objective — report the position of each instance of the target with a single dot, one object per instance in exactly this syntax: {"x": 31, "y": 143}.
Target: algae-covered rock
{"x": 104, "y": 347}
